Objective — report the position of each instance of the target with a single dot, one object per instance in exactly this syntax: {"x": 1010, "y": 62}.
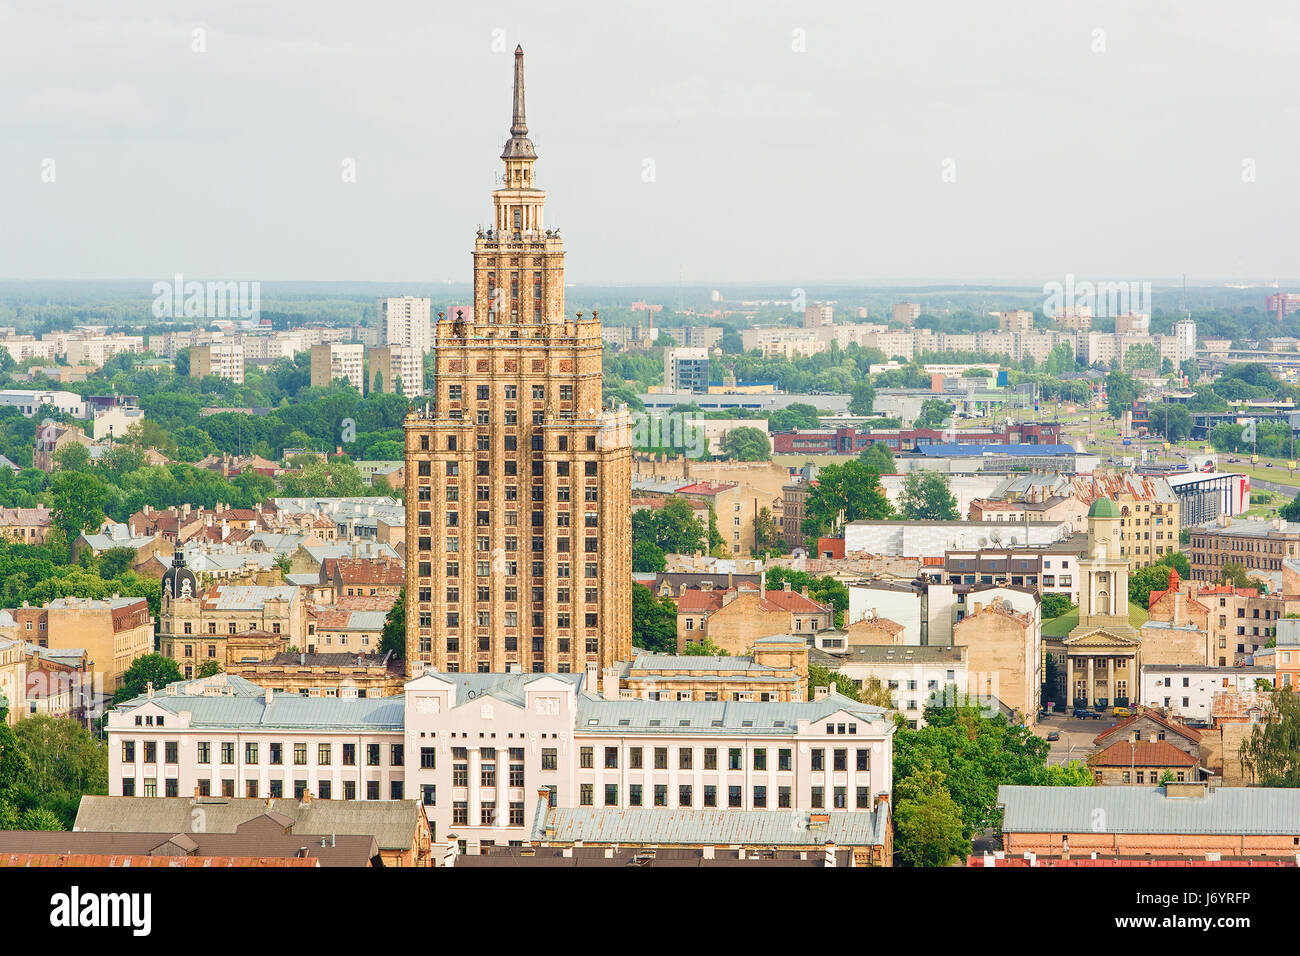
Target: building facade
{"x": 518, "y": 553}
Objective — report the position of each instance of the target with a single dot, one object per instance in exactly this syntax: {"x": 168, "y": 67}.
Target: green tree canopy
{"x": 926, "y": 497}
{"x": 144, "y": 670}
{"x": 746, "y": 444}
{"x": 654, "y": 621}
{"x": 851, "y": 490}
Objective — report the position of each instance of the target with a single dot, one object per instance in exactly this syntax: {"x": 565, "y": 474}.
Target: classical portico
{"x": 1102, "y": 653}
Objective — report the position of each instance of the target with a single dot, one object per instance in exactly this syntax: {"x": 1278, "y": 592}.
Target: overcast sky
{"x": 806, "y": 141}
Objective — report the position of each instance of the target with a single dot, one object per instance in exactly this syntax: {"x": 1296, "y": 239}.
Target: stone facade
{"x": 518, "y": 550}
{"x": 734, "y": 618}
{"x": 1004, "y": 656}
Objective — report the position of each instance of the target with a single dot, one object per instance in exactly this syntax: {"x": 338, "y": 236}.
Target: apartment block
{"x": 332, "y": 361}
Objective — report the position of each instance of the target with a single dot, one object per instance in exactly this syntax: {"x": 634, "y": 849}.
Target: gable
{"x": 1101, "y": 637}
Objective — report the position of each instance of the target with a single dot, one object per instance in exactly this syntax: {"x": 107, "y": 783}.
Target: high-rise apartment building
{"x": 818, "y": 314}
{"x": 222, "y": 359}
{"x": 406, "y": 320}
{"x": 335, "y": 360}
{"x": 906, "y": 312}
{"x": 398, "y": 369}
{"x": 518, "y": 485}
{"x": 686, "y": 370}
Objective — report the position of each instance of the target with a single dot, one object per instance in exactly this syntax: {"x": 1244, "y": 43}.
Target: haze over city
{"x": 707, "y": 143}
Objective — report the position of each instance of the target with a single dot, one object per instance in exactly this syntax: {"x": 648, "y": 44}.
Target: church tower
{"x": 518, "y": 483}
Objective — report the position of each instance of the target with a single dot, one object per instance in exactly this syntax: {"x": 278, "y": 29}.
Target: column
{"x": 1089, "y": 696}
{"x": 1110, "y": 679}
{"x": 1069, "y": 678}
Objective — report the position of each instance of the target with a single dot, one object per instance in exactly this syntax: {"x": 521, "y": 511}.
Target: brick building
{"x": 733, "y": 618}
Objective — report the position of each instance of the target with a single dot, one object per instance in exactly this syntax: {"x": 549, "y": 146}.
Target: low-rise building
{"x": 1191, "y": 820}
{"x": 400, "y": 828}
{"x": 112, "y": 632}
{"x": 1186, "y": 692}
{"x": 777, "y": 670}
{"x": 25, "y": 525}
{"x": 324, "y": 675}
{"x": 734, "y": 618}
{"x": 590, "y": 749}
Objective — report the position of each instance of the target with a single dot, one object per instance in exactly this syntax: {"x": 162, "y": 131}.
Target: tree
{"x": 1171, "y": 420}
{"x": 1271, "y": 755}
{"x": 1121, "y": 392}
{"x": 145, "y": 670}
{"x": 746, "y": 444}
{"x": 705, "y": 648}
{"x": 851, "y": 491}
{"x": 767, "y": 537}
{"x": 1054, "y": 605}
{"x": 878, "y": 458}
{"x": 1291, "y": 510}
{"x": 115, "y": 562}
{"x": 72, "y": 457}
{"x": 873, "y": 691}
{"x": 209, "y": 668}
{"x": 1142, "y": 581}
{"x": 673, "y": 528}
{"x": 928, "y": 825}
{"x": 78, "y": 503}
{"x": 654, "y": 621}
{"x": 862, "y": 398}
{"x": 1235, "y": 574}
{"x": 393, "y": 638}
{"x": 926, "y": 497}
{"x": 647, "y": 557}
{"x": 934, "y": 412}
{"x": 819, "y": 676}
{"x": 66, "y": 763}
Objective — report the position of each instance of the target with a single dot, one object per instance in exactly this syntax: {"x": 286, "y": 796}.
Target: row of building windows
{"x": 275, "y": 753}
{"x": 275, "y": 788}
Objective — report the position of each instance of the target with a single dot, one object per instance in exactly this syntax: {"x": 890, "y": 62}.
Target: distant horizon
{"x": 928, "y": 143}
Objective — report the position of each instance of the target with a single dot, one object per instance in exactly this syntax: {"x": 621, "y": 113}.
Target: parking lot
{"x": 1076, "y": 736}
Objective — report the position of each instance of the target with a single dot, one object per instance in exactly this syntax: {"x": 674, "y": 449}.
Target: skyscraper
{"x": 518, "y": 484}
{"x": 406, "y": 321}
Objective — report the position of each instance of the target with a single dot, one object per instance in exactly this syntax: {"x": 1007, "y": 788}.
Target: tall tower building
{"x": 519, "y": 530}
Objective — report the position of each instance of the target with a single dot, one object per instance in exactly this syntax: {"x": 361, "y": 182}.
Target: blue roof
{"x": 953, "y": 450}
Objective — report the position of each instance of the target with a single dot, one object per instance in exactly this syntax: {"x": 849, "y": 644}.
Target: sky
{"x": 711, "y": 141}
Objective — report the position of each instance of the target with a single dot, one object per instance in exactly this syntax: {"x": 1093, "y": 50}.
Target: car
{"x": 1053, "y": 736}
{"x": 1121, "y": 712}
{"x": 1083, "y": 713}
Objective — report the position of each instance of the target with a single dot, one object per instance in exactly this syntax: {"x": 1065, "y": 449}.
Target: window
{"x": 611, "y": 794}
{"x": 661, "y": 794}
{"x": 611, "y": 758}
{"x": 428, "y": 758}
{"x": 760, "y": 759}
{"x": 549, "y": 761}
{"x": 734, "y": 759}
{"x": 710, "y": 758}
{"x": 783, "y": 759}
{"x": 323, "y": 754}
{"x": 586, "y": 758}
{"x": 735, "y": 796}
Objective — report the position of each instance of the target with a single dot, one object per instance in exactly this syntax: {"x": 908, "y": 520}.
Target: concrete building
{"x": 1016, "y": 320}
{"x": 1187, "y": 692}
{"x": 222, "y": 359}
{"x": 519, "y": 547}
{"x": 917, "y": 538}
{"x": 397, "y": 369}
{"x": 331, "y": 361}
{"x": 912, "y": 674}
{"x": 776, "y": 670}
{"x": 406, "y": 321}
{"x": 1004, "y": 655}
{"x": 696, "y": 336}
{"x": 25, "y": 525}
{"x": 686, "y": 369}
{"x": 223, "y": 735}
{"x": 905, "y": 312}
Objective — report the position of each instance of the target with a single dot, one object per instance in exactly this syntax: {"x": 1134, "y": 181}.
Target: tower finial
{"x": 519, "y": 146}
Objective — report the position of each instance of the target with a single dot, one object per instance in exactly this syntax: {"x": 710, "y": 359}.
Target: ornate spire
{"x": 519, "y": 146}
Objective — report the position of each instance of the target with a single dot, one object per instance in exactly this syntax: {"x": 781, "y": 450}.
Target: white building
{"x": 29, "y": 401}
{"x": 406, "y": 320}
{"x": 928, "y": 611}
{"x": 332, "y": 361}
{"x": 1188, "y": 691}
{"x": 475, "y": 749}
{"x": 912, "y": 539}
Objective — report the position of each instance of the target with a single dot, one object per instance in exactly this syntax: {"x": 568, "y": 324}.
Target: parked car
{"x": 1054, "y": 735}
{"x": 1121, "y": 712}
{"x": 1083, "y": 713}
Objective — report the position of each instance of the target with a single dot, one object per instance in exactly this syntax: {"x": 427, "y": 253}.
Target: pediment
{"x": 1101, "y": 637}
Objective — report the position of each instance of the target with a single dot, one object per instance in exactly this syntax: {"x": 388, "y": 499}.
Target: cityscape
{"x": 511, "y": 570}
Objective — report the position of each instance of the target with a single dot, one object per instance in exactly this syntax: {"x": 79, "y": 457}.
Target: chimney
{"x": 821, "y": 693}
{"x": 830, "y": 853}
{"x": 306, "y": 798}
{"x": 196, "y": 793}
{"x": 786, "y": 587}
{"x": 269, "y": 694}
{"x": 148, "y": 689}
{"x": 592, "y": 682}
{"x": 611, "y": 684}
{"x": 978, "y": 607}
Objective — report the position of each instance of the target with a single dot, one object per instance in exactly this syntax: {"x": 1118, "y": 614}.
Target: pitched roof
{"x": 392, "y": 823}
{"x": 1181, "y": 729}
{"x": 1143, "y": 753}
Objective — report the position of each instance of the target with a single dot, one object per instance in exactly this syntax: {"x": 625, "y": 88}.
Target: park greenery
{"x": 47, "y": 764}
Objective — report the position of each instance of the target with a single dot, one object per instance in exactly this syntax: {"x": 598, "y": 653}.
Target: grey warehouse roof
{"x": 1120, "y": 809}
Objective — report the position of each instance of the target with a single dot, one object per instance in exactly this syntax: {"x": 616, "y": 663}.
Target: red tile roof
{"x": 1144, "y": 753}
